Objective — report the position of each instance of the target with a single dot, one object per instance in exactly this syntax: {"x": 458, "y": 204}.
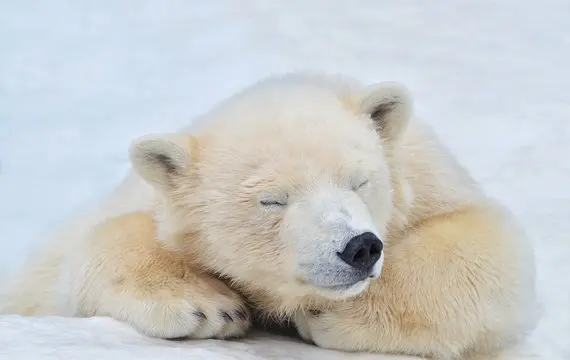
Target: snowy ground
{"x": 79, "y": 80}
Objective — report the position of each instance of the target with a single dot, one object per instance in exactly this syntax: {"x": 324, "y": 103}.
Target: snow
{"x": 490, "y": 76}
{"x": 104, "y": 338}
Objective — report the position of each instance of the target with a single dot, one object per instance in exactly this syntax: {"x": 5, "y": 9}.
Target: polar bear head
{"x": 285, "y": 187}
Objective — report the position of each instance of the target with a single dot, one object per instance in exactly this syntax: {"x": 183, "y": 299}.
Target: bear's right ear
{"x": 161, "y": 159}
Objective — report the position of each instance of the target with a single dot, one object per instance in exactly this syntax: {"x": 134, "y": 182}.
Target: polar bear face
{"x": 287, "y": 185}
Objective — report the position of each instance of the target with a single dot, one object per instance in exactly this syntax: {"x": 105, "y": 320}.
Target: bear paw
{"x": 323, "y": 329}
{"x": 201, "y": 308}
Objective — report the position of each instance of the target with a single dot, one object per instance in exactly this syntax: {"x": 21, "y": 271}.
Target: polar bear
{"x": 313, "y": 198}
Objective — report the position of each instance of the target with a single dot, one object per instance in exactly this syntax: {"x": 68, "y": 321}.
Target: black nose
{"x": 362, "y": 251}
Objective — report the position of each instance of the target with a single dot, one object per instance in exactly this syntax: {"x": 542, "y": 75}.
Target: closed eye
{"x": 272, "y": 203}
{"x": 363, "y": 183}
{"x": 272, "y": 199}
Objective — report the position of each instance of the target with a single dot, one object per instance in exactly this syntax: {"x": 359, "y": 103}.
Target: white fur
{"x": 456, "y": 279}
{"x": 323, "y": 223}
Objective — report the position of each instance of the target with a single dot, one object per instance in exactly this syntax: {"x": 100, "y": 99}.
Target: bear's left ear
{"x": 389, "y": 105}
{"x": 162, "y": 159}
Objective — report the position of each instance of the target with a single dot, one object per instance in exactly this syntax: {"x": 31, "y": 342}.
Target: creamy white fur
{"x": 473, "y": 293}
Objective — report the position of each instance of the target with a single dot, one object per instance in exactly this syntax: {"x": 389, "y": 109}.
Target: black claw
{"x": 241, "y": 314}
{"x": 315, "y": 312}
{"x": 200, "y": 314}
{"x": 226, "y": 316}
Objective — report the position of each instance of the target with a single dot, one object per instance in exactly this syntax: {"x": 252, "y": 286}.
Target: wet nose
{"x": 362, "y": 251}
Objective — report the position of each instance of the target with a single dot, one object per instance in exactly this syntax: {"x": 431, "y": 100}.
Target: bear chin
{"x": 338, "y": 292}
